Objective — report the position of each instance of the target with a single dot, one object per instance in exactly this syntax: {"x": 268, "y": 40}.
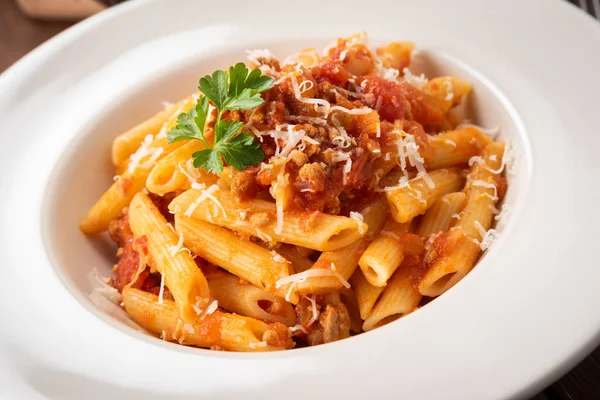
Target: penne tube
{"x": 396, "y": 54}
{"x": 341, "y": 263}
{"x": 175, "y": 172}
{"x": 442, "y": 215}
{"x": 112, "y": 202}
{"x": 127, "y": 143}
{"x": 242, "y": 258}
{"x": 414, "y": 199}
{"x": 338, "y": 265}
{"x": 181, "y": 274}
{"x": 366, "y": 294}
{"x": 217, "y": 330}
{"x": 314, "y": 230}
{"x": 448, "y": 89}
{"x": 400, "y": 297}
{"x": 455, "y": 252}
{"x": 384, "y": 254}
{"x": 243, "y": 298}
{"x": 130, "y": 181}
{"x": 453, "y": 148}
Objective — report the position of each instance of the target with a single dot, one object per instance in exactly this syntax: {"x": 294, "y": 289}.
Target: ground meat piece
{"x": 259, "y": 219}
{"x": 127, "y": 266}
{"x": 129, "y": 258}
{"x": 334, "y": 324}
{"x": 119, "y": 230}
{"x": 298, "y": 158}
{"x": 243, "y": 185}
{"x": 314, "y": 176}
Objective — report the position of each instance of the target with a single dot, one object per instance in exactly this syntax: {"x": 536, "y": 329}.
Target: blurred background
{"x": 25, "y": 24}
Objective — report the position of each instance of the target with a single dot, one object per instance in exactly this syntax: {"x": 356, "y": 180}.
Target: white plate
{"x": 525, "y": 315}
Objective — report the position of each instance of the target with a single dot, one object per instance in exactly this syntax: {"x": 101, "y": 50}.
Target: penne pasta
{"x": 400, "y": 297}
{"x": 416, "y": 197}
{"x": 455, "y": 252}
{"x": 224, "y": 248}
{"x": 343, "y": 262}
{"x": 217, "y": 330}
{"x": 453, "y": 148}
{"x": 241, "y": 297}
{"x": 366, "y": 294}
{"x": 175, "y": 172}
{"x": 384, "y": 254}
{"x": 127, "y": 143}
{"x": 314, "y": 230}
{"x": 130, "y": 181}
{"x": 442, "y": 215}
{"x": 450, "y": 89}
{"x": 181, "y": 274}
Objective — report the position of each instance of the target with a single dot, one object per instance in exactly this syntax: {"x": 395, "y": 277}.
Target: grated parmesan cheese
{"x": 256, "y": 54}
{"x": 278, "y": 257}
{"x": 161, "y": 292}
{"x": 390, "y": 234}
{"x": 297, "y": 328}
{"x": 178, "y": 247}
{"x": 417, "y": 195}
{"x": 486, "y": 185}
{"x": 479, "y": 160}
{"x": 320, "y": 105}
{"x": 408, "y": 149}
{"x": 487, "y": 237}
{"x": 144, "y": 151}
{"x": 402, "y": 183}
{"x": 310, "y": 273}
{"x": 359, "y": 218}
{"x": 414, "y": 80}
{"x": 315, "y": 312}
{"x": 503, "y": 213}
{"x": 341, "y": 156}
{"x": 206, "y": 194}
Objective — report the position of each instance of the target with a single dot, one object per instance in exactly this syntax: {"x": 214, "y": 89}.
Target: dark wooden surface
{"x": 19, "y": 35}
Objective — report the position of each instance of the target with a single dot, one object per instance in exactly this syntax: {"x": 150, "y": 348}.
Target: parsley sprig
{"x": 238, "y": 90}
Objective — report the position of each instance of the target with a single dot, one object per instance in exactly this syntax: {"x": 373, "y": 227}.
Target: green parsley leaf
{"x": 239, "y": 151}
{"x": 242, "y": 151}
{"x": 240, "y": 80}
{"x": 225, "y": 130}
{"x": 215, "y": 88}
{"x": 239, "y": 89}
{"x": 208, "y": 159}
{"x": 190, "y": 125}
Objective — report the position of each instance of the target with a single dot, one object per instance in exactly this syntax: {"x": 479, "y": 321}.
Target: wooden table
{"x": 19, "y": 35}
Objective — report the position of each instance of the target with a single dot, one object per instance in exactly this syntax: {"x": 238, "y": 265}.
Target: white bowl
{"x": 519, "y": 319}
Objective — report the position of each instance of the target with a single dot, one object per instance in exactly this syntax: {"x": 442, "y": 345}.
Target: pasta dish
{"x": 299, "y": 202}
